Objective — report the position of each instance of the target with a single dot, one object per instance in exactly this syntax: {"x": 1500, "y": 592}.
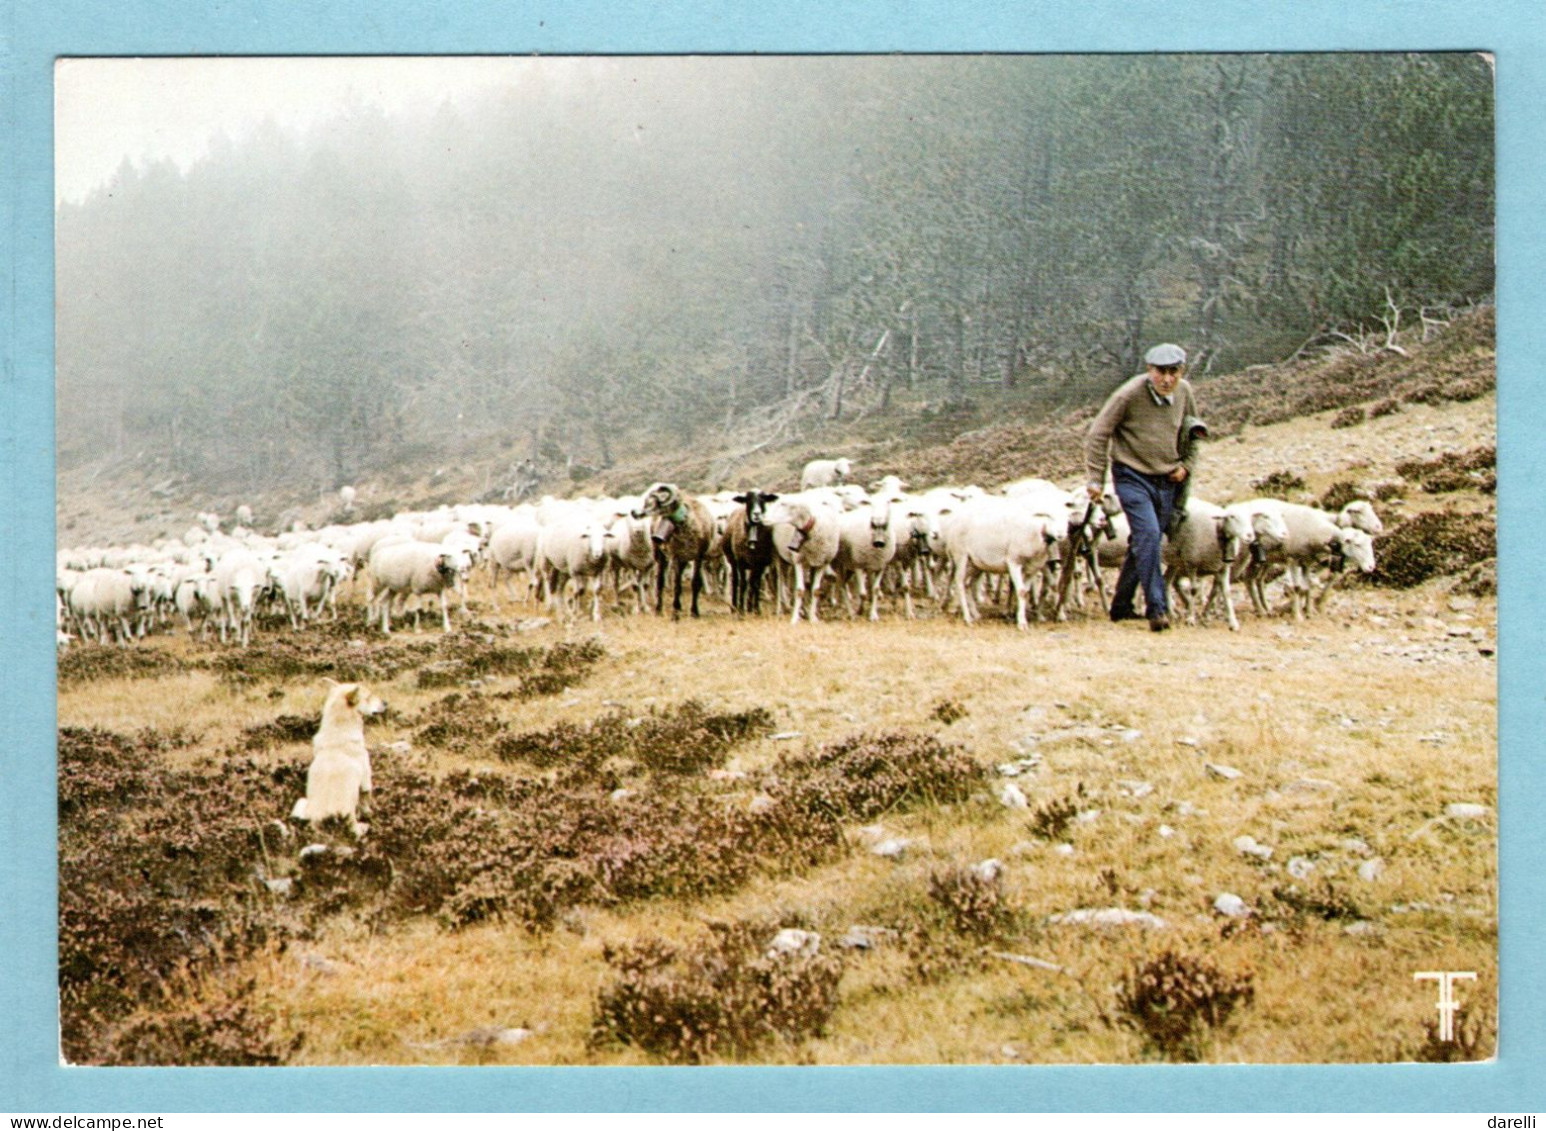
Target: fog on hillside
{"x": 600, "y": 254}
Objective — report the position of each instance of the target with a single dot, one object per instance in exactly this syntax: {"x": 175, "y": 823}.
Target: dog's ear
{"x": 352, "y": 696}
{"x": 330, "y": 681}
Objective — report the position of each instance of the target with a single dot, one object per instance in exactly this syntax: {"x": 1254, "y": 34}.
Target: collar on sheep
{"x": 679, "y": 515}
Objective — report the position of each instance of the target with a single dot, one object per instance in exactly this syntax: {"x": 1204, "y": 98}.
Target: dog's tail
{"x": 299, "y": 812}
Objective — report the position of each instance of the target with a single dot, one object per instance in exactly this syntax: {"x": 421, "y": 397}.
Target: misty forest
{"x": 723, "y": 251}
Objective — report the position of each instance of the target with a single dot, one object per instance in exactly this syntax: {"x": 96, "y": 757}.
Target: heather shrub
{"x": 1434, "y": 545}
{"x": 974, "y": 903}
{"x": 1349, "y": 417}
{"x": 1279, "y": 484}
{"x": 280, "y": 730}
{"x": 1483, "y": 458}
{"x": 1473, "y": 470}
{"x": 1051, "y": 820}
{"x": 157, "y": 876}
{"x": 1339, "y": 494}
{"x": 222, "y": 1031}
{"x": 1177, "y": 1002}
{"x": 83, "y": 662}
{"x": 719, "y": 999}
{"x": 1324, "y": 901}
{"x": 685, "y": 739}
{"x": 861, "y": 777}
{"x": 948, "y": 711}
{"x": 459, "y": 721}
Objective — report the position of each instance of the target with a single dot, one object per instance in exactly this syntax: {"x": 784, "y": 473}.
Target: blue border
{"x": 32, "y": 37}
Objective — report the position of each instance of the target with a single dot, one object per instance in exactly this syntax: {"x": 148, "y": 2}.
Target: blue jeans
{"x": 1146, "y": 501}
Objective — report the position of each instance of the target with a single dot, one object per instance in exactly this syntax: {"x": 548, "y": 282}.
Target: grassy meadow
{"x": 611, "y": 844}
{"x": 1350, "y": 733}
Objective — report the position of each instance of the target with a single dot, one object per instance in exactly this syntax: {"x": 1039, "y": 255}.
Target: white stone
{"x": 1248, "y": 846}
{"x": 1371, "y": 870}
{"x": 620, "y": 795}
{"x": 1135, "y": 789}
{"x": 1231, "y": 905}
{"x": 1223, "y": 773}
{"x": 1064, "y": 849}
{"x": 791, "y": 942}
{"x": 867, "y": 938}
{"x": 762, "y": 803}
{"x": 1011, "y": 796}
{"x": 1466, "y": 810}
{"x": 1166, "y": 831}
{"x": 1109, "y": 917}
{"x": 1300, "y": 867}
{"x": 989, "y": 869}
{"x": 892, "y": 847}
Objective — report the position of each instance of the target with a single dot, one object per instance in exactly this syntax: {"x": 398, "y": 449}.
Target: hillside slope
{"x": 1434, "y": 398}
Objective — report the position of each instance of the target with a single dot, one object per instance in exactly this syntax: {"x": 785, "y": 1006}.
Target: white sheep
{"x": 824, "y": 473}
{"x": 867, "y": 543}
{"x": 576, "y": 551}
{"x": 410, "y": 569}
{"x": 1000, "y": 536}
{"x": 1359, "y": 514}
{"x": 918, "y": 543}
{"x": 630, "y": 555}
{"x": 240, "y": 578}
{"x": 196, "y": 598}
{"x": 346, "y": 496}
{"x": 104, "y": 602}
{"x": 1206, "y": 543}
{"x": 512, "y": 549}
{"x": 805, "y": 538}
{"x": 1312, "y": 534}
{"x": 308, "y": 578}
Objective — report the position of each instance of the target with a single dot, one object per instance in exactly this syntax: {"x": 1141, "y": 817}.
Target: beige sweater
{"x": 1131, "y": 429}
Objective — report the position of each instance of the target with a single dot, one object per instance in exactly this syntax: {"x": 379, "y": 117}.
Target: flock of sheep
{"x": 831, "y": 539}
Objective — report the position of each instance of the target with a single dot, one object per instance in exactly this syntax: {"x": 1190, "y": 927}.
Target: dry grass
{"x": 1337, "y": 734}
{"x": 1350, "y": 734}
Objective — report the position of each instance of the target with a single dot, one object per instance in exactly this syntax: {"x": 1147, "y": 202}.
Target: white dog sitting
{"x": 340, "y": 763}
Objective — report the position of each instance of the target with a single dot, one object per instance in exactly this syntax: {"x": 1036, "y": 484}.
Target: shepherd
{"x": 1145, "y": 432}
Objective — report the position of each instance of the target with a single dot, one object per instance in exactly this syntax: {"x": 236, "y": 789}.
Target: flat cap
{"x": 1165, "y": 354}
